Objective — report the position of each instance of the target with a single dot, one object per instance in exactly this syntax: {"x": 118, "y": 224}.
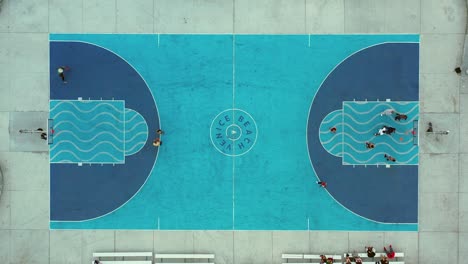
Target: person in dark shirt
{"x": 370, "y": 252}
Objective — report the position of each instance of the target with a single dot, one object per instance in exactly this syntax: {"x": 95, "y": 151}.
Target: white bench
{"x": 336, "y": 258}
{"x": 310, "y": 256}
{"x": 287, "y": 257}
{"x": 185, "y": 257}
{"x": 125, "y": 262}
{"x": 124, "y": 257}
{"x": 390, "y": 261}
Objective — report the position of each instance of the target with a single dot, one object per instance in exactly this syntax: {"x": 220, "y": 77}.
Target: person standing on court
{"x": 61, "y": 72}
{"x": 157, "y": 142}
{"x": 322, "y": 184}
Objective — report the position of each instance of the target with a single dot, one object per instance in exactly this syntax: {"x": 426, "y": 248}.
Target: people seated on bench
{"x": 324, "y": 259}
{"x": 370, "y": 252}
{"x": 348, "y": 259}
{"x": 358, "y": 260}
{"x": 351, "y": 259}
{"x": 384, "y": 260}
{"x": 390, "y": 253}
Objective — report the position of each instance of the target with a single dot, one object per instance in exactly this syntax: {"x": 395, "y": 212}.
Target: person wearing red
{"x": 390, "y": 253}
{"x": 322, "y": 184}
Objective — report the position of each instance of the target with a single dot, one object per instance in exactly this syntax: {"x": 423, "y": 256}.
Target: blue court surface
{"x": 247, "y": 123}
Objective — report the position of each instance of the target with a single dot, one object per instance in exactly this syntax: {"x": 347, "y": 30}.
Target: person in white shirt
{"x": 388, "y": 112}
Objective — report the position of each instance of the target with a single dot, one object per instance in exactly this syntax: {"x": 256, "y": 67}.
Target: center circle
{"x": 233, "y": 132}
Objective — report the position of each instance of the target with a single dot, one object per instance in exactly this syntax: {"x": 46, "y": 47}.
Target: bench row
{"x": 132, "y": 257}
{"x": 337, "y": 258}
{"x": 308, "y": 256}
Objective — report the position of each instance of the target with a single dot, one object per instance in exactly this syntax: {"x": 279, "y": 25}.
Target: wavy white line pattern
{"x": 61, "y": 132}
{"x": 380, "y": 107}
{"x": 88, "y": 131}
{"x": 80, "y": 109}
{"x": 109, "y": 114}
{"x": 136, "y": 132}
{"x": 332, "y": 142}
{"x": 77, "y": 128}
{"x": 362, "y": 120}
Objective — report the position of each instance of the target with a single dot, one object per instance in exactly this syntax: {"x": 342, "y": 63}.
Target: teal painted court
{"x": 246, "y": 132}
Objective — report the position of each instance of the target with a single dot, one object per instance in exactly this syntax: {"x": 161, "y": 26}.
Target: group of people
{"x": 43, "y": 134}
{"x": 387, "y": 130}
{"x": 157, "y": 141}
{"x": 384, "y": 259}
{"x": 384, "y": 130}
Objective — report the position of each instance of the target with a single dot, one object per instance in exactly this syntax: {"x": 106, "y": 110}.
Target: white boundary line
{"x": 241, "y": 34}
{"x": 381, "y": 102}
{"x": 233, "y": 107}
{"x": 307, "y": 126}
{"x": 371, "y": 34}
{"x": 86, "y": 162}
{"x": 157, "y": 154}
{"x": 124, "y": 134}
{"x": 342, "y": 133}
{"x": 87, "y": 100}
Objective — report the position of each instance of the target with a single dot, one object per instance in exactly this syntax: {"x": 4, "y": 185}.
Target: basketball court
{"x": 246, "y": 122}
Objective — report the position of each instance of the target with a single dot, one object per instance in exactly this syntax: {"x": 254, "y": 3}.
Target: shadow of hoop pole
{"x": 430, "y": 130}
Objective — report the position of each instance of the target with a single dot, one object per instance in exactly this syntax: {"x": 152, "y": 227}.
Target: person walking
{"x": 61, "y": 72}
